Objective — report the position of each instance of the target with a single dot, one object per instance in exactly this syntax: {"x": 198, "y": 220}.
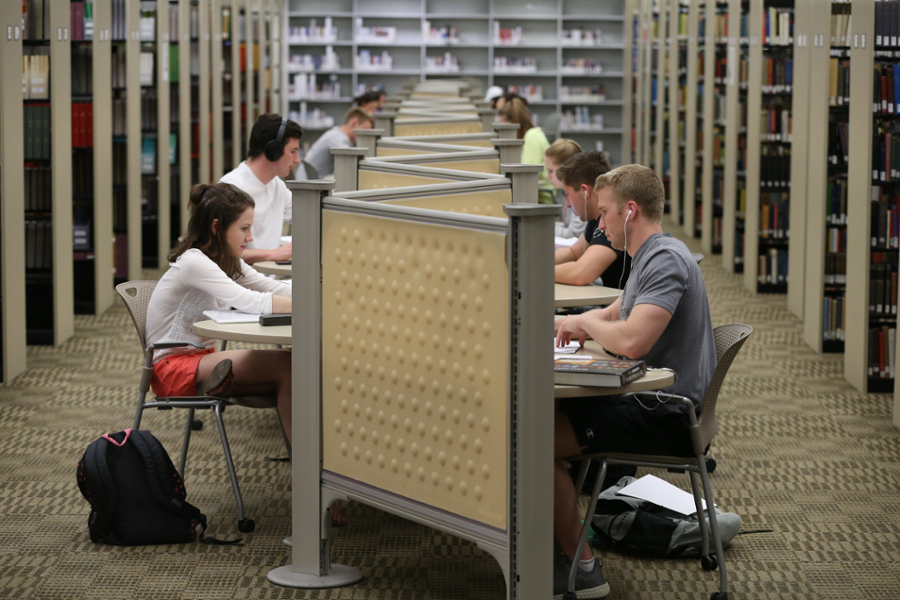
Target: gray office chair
{"x": 136, "y": 295}
{"x": 697, "y": 257}
{"x": 729, "y": 339}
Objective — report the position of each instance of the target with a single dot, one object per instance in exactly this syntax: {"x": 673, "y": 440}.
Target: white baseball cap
{"x": 494, "y": 91}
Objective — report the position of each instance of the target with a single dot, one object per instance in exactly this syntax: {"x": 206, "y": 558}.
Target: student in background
{"x": 370, "y": 101}
{"x": 662, "y": 318}
{"x": 273, "y": 150}
{"x": 557, "y": 154}
{"x": 509, "y": 97}
{"x": 591, "y": 256}
{"x": 339, "y": 136}
{"x": 493, "y": 95}
{"x": 207, "y": 272}
{"x": 516, "y": 111}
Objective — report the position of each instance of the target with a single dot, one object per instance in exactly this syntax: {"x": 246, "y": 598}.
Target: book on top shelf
{"x": 597, "y": 372}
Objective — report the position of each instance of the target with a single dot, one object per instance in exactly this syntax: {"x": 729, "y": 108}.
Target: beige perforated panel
{"x": 415, "y": 361}
{"x": 376, "y": 180}
{"x": 401, "y": 129}
{"x": 487, "y": 165}
{"x": 489, "y": 204}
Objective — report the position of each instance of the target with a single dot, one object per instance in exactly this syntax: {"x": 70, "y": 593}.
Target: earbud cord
{"x": 625, "y": 258}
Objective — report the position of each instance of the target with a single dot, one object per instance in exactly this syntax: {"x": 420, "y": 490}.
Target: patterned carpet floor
{"x": 801, "y": 455}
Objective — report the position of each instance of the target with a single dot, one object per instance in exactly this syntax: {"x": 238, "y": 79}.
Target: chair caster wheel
{"x": 719, "y": 596}
{"x": 196, "y": 425}
{"x": 246, "y": 525}
{"x": 711, "y": 465}
{"x": 709, "y": 563}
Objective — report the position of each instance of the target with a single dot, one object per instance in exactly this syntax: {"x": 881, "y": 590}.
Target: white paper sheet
{"x": 231, "y": 316}
{"x": 663, "y": 493}
{"x": 561, "y": 242}
{"x": 570, "y": 348}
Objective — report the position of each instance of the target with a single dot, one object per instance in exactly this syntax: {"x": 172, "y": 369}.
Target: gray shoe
{"x": 587, "y": 585}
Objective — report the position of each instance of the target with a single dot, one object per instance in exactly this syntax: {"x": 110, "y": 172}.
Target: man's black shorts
{"x": 617, "y": 424}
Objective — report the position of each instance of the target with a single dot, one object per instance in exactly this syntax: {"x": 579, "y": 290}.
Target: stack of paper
{"x": 231, "y": 316}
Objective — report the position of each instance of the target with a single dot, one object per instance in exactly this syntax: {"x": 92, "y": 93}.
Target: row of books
{"x": 82, "y": 70}
{"x": 778, "y": 74}
{"x": 775, "y": 124}
{"x": 38, "y": 244}
{"x": 37, "y": 131}
{"x": 146, "y": 68}
{"x": 532, "y": 92}
{"x": 578, "y": 93}
{"x": 836, "y": 239}
{"x": 833, "y": 318}
{"x": 839, "y": 82}
{"x": 36, "y": 77}
{"x": 778, "y": 26}
{"x": 82, "y": 125}
{"x": 148, "y": 156}
{"x": 83, "y": 174}
{"x": 885, "y": 225}
{"x": 35, "y": 24}
{"x": 515, "y": 64}
{"x": 886, "y": 152}
{"x": 38, "y": 187}
{"x": 721, "y": 25}
{"x": 838, "y": 143}
{"x": 883, "y": 289}
{"x": 835, "y": 268}
{"x": 840, "y": 29}
{"x": 882, "y": 344}
{"x": 774, "y": 212}
{"x": 836, "y": 201}
{"x": 886, "y": 89}
{"x": 81, "y": 21}
{"x": 775, "y": 170}
{"x": 887, "y": 24}
{"x": 772, "y": 267}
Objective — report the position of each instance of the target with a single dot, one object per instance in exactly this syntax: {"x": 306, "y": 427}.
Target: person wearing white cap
{"x": 494, "y": 92}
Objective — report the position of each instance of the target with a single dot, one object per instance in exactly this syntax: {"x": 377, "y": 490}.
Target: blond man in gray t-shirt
{"x": 662, "y": 318}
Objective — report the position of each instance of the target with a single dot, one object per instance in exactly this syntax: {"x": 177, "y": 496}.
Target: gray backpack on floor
{"x": 646, "y": 527}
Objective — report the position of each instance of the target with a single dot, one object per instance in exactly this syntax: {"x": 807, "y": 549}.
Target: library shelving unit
{"x": 634, "y": 54}
{"x": 644, "y": 124}
{"x": 162, "y": 158}
{"x": 219, "y": 74}
{"x": 871, "y": 289}
{"x": 48, "y": 173}
{"x": 552, "y": 55}
{"x": 769, "y": 101}
{"x": 92, "y": 204}
{"x": 251, "y": 62}
{"x": 12, "y": 197}
{"x": 629, "y": 60}
{"x": 694, "y": 97}
{"x": 154, "y": 237}
{"x": 721, "y": 127}
{"x": 678, "y": 67}
{"x": 183, "y": 124}
{"x": 735, "y": 130}
{"x": 826, "y": 158}
{"x": 703, "y": 224}
{"x": 203, "y": 141}
{"x": 660, "y": 97}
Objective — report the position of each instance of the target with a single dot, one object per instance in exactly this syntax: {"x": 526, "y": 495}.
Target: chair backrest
{"x": 136, "y": 295}
{"x": 729, "y": 339}
{"x": 698, "y": 257}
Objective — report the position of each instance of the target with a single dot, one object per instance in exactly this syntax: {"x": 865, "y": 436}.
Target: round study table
{"x": 270, "y": 267}
{"x": 244, "y": 332}
{"x": 566, "y": 296}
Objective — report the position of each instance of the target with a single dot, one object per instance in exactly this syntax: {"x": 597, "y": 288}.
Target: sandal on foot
{"x": 218, "y": 376}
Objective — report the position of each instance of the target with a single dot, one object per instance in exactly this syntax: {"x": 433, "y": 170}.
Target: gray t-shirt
{"x": 664, "y": 273}
{"x": 319, "y": 155}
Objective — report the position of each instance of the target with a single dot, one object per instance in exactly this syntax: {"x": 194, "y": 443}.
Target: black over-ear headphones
{"x": 274, "y": 149}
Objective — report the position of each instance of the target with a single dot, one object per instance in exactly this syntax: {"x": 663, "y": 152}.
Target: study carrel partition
{"x": 426, "y": 361}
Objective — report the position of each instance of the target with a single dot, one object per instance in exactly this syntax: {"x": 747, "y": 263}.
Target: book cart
{"x": 12, "y": 198}
{"x": 870, "y": 296}
{"x": 826, "y": 158}
{"x": 769, "y": 98}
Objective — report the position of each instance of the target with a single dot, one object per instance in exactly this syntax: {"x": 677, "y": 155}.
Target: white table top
{"x": 271, "y": 268}
{"x": 583, "y": 295}
{"x": 244, "y": 332}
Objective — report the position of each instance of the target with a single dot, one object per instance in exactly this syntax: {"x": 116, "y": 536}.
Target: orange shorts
{"x": 176, "y": 374}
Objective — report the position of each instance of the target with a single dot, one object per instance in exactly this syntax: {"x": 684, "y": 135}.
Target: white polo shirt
{"x": 273, "y": 205}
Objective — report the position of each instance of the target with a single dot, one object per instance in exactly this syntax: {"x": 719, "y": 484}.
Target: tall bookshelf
{"x": 12, "y": 198}
{"x": 162, "y": 158}
{"x": 218, "y": 76}
{"x": 704, "y": 219}
{"x": 633, "y": 73}
{"x": 769, "y": 103}
{"x": 546, "y": 64}
{"x": 629, "y": 59}
{"x": 826, "y": 183}
{"x": 872, "y": 191}
{"x": 693, "y": 118}
{"x": 735, "y": 133}
{"x": 678, "y": 66}
{"x": 47, "y": 120}
{"x": 722, "y": 128}
{"x": 659, "y": 97}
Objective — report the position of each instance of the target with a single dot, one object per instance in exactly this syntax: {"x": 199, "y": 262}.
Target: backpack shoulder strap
{"x": 103, "y": 489}
{"x": 152, "y": 452}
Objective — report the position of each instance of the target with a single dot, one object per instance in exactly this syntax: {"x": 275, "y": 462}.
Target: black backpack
{"x": 136, "y": 495}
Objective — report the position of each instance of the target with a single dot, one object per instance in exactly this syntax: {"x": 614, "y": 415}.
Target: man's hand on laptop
{"x": 282, "y": 253}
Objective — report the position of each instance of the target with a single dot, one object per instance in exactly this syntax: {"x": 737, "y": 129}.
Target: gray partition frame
{"x": 524, "y": 549}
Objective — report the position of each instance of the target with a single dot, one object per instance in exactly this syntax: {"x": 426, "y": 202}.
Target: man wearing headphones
{"x": 272, "y": 153}
{"x": 662, "y": 318}
{"x": 591, "y": 255}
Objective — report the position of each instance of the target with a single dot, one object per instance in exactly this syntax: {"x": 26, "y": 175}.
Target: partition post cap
{"x": 512, "y": 142}
{"x": 368, "y": 131}
{"x": 310, "y": 184}
{"x": 349, "y": 151}
{"x": 532, "y": 210}
{"x": 520, "y": 168}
